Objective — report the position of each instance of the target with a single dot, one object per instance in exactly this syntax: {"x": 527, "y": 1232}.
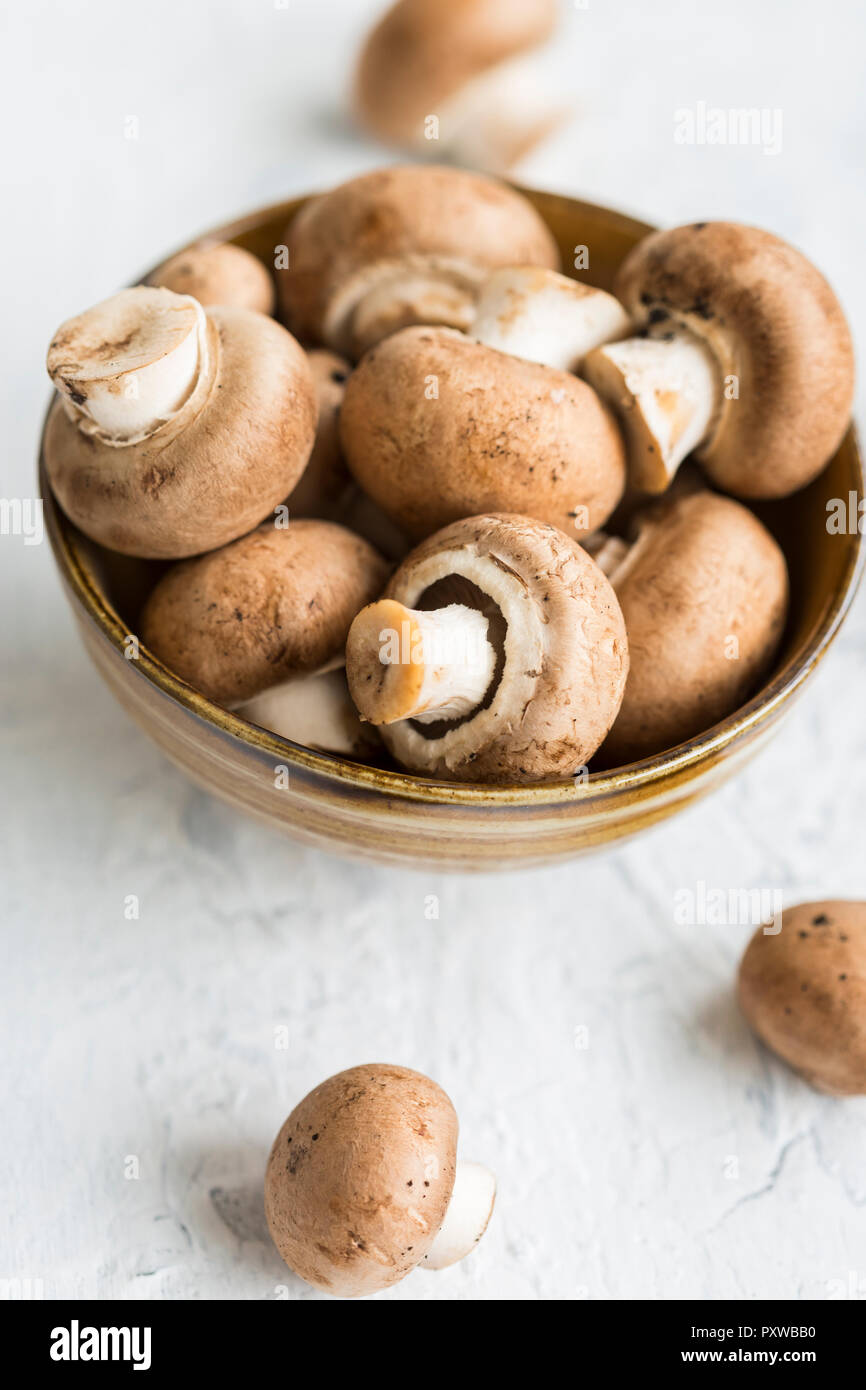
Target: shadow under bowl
{"x": 386, "y": 815}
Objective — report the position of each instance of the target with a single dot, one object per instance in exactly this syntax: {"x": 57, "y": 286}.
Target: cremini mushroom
{"x": 363, "y": 1183}
{"x": 326, "y": 489}
{"x": 704, "y": 593}
{"x": 498, "y": 654}
{"x": 542, "y": 316}
{"x": 461, "y": 77}
{"x": 322, "y": 487}
{"x": 249, "y": 624}
{"x": 746, "y": 359}
{"x": 177, "y": 429}
{"x": 436, "y": 427}
{"x": 402, "y": 246}
{"x": 803, "y": 990}
{"x": 218, "y": 273}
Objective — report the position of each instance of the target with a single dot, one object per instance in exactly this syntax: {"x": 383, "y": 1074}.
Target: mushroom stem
{"x": 499, "y": 116}
{"x": 467, "y": 1217}
{"x": 406, "y": 664}
{"x": 129, "y": 364}
{"x": 544, "y": 317}
{"x": 665, "y": 390}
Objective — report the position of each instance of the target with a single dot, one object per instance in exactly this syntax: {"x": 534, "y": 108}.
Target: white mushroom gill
{"x": 130, "y": 363}
{"x": 388, "y": 295}
{"x": 467, "y": 1217}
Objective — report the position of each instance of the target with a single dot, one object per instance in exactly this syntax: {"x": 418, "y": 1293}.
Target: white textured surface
{"x": 670, "y": 1157}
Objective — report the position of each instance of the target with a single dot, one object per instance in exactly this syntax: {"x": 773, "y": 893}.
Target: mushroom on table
{"x": 461, "y": 75}
{"x": 803, "y": 990}
{"x": 363, "y": 1183}
{"x": 499, "y": 654}
{"x": 436, "y": 427}
{"x": 177, "y": 429}
{"x": 402, "y": 246}
{"x": 260, "y": 627}
{"x": 746, "y": 360}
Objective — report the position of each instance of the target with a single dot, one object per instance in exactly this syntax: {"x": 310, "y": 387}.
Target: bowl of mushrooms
{"x": 487, "y": 528}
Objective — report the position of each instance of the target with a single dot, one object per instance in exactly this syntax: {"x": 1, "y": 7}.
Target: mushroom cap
{"x": 322, "y": 486}
{"x": 562, "y": 652}
{"x": 424, "y": 212}
{"x": 503, "y": 435}
{"x": 775, "y": 324}
{"x": 212, "y": 472}
{"x": 359, "y": 1178}
{"x": 803, "y": 990}
{"x": 422, "y": 52}
{"x": 218, "y": 273}
{"x": 702, "y": 572}
{"x": 275, "y": 604}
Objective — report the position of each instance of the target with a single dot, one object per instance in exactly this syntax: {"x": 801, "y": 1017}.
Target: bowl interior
{"x": 824, "y": 565}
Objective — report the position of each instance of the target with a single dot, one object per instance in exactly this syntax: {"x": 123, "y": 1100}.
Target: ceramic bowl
{"x": 382, "y": 814}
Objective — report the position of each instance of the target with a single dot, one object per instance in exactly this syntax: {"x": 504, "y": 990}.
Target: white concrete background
{"x": 672, "y": 1157}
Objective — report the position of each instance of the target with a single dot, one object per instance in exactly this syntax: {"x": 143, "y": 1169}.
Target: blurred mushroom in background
{"x": 461, "y": 79}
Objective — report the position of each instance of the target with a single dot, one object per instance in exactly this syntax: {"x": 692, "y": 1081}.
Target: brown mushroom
{"x": 322, "y": 487}
{"x": 218, "y": 273}
{"x": 436, "y": 427}
{"x": 176, "y": 429}
{"x": 497, "y": 655}
{"x": 460, "y": 76}
{"x": 363, "y": 1183}
{"x": 402, "y": 246}
{"x": 803, "y": 990}
{"x": 746, "y": 360}
{"x": 326, "y": 489}
{"x": 263, "y": 613}
{"x": 704, "y": 593}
